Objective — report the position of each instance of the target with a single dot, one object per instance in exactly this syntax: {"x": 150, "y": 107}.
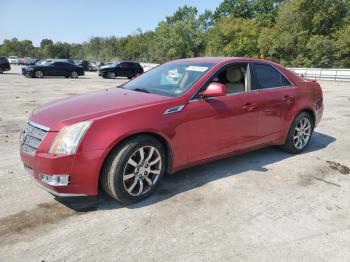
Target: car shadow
{"x": 62, "y": 77}
{"x": 198, "y": 176}
{"x": 10, "y": 73}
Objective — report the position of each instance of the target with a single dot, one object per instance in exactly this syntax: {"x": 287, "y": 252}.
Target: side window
{"x": 123, "y": 65}
{"x": 59, "y": 64}
{"x": 234, "y": 77}
{"x": 265, "y": 76}
{"x": 285, "y": 81}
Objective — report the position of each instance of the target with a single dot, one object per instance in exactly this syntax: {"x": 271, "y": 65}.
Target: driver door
{"x": 221, "y": 125}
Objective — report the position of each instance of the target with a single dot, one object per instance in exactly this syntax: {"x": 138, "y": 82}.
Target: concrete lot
{"x": 261, "y": 206}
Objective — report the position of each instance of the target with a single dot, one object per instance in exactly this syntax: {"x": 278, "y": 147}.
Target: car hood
{"x": 67, "y": 111}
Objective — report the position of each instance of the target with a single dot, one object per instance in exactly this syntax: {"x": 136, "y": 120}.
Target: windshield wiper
{"x": 141, "y": 90}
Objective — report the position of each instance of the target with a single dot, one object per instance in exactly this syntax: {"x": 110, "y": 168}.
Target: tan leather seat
{"x": 234, "y": 77}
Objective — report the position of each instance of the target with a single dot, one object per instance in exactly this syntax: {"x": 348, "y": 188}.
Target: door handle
{"x": 288, "y": 99}
{"x": 249, "y": 107}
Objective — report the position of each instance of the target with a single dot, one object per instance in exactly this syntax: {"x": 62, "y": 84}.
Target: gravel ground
{"x": 261, "y": 206}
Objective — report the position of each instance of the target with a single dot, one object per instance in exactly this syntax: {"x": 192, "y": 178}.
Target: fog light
{"x": 55, "y": 180}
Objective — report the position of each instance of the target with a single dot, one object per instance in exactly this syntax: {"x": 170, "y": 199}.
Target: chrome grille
{"x": 32, "y": 136}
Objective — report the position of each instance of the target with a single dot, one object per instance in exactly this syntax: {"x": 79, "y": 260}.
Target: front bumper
{"x": 48, "y": 189}
{"x": 27, "y": 72}
{"x": 82, "y": 168}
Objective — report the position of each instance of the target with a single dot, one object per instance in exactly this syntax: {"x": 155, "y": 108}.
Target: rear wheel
{"x": 38, "y": 74}
{"x": 299, "y": 133}
{"x": 74, "y": 74}
{"x": 133, "y": 170}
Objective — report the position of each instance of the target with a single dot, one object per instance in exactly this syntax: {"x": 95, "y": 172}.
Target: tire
{"x": 74, "y": 74}
{"x": 110, "y": 75}
{"x": 121, "y": 178}
{"x": 38, "y": 74}
{"x": 1, "y": 71}
{"x": 130, "y": 77}
{"x": 297, "y": 141}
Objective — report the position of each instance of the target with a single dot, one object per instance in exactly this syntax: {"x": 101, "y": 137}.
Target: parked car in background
{"x": 13, "y": 60}
{"x": 123, "y": 69}
{"x": 110, "y": 63}
{"x": 4, "y": 64}
{"x": 95, "y": 66}
{"x": 126, "y": 138}
{"x": 45, "y": 61}
{"x": 24, "y": 61}
{"x": 83, "y": 63}
{"x": 33, "y": 61}
{"x": 54, "y": 68}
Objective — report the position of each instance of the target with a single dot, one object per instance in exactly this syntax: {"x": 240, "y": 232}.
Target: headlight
{"x": 68, "y": 139}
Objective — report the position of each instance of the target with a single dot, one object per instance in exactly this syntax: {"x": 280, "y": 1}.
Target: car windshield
{"x": 170, "y": 79}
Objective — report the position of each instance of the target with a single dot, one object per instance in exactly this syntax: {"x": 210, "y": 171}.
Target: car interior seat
{"x": 235, "y": 80}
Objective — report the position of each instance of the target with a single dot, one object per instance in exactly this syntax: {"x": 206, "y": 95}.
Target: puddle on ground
{"x": 339, "y": 167}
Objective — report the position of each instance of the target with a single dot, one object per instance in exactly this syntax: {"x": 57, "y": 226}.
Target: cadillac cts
{"x": 182, "y": 113}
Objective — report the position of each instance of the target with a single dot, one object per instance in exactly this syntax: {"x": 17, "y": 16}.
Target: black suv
{"x": 124, "y": 69}
{"x": 4, "y": 64}
{"x": 54, "y": 68}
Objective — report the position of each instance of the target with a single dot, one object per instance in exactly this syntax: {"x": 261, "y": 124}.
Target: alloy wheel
{"x": 302, "y": 133}
{"x": 38, "y": 74}
{"x": 74, "y": 74}
{"x": 111, "y": 75}
{"x": 142, "y": 170}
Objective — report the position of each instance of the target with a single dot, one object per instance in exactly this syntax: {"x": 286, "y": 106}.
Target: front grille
{"x": 32, "y": 136}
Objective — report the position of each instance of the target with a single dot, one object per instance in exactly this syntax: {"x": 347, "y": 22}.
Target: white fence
{"x": 323, "y": 74}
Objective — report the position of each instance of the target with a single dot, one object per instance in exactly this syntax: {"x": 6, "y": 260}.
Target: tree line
{"x": 298, "y": 33}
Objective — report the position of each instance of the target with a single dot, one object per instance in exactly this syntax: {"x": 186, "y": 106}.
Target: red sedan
{"x": 180, "y": 114}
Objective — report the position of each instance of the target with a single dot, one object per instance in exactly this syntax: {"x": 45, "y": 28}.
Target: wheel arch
{"x": 310, "y": 112}
{"x": 297, "y": 112}
{"x": 160, "y": 138}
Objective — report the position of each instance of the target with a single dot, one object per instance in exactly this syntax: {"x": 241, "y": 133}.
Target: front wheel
{"x": 133, "y": 170}
{"x": 299, "y": 134}
{"x": 74, "y": 74}
{"x": 38, "y": 74}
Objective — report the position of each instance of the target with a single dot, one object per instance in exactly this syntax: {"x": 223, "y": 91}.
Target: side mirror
{"x": 214, "y": 90}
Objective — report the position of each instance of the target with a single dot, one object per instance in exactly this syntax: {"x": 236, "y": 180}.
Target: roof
{"x": 217, "y": 60}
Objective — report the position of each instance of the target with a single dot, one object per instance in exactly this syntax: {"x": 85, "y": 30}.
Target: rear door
{"x": 276, "y": 96}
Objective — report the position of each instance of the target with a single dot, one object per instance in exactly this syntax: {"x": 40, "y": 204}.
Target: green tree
{"x": 236, "y": 8}
{"x": 321, "y": 51}
{"x": 321, "y": 17}
{"x": 286, "y": 40}
{"x": 342, "y": 43}
{"x": 234, "y": 37}
{"x": 181, "y": 35}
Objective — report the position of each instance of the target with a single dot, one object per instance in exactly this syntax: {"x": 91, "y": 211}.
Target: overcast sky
{"x": 75, "y": 21}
